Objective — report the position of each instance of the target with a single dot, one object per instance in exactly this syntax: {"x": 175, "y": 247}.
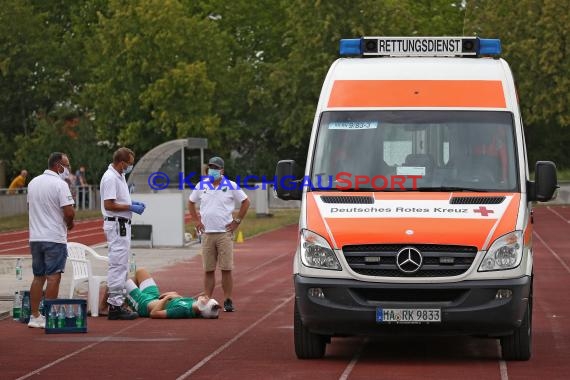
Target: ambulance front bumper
{"x": 337, "y": 307}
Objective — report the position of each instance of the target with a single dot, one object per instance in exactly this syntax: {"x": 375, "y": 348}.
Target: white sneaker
{"x": 39, "y": 322}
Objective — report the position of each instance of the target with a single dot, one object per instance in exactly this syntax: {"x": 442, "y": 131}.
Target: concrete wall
{"x": 17, "y": 204}
{"x": 13, "y": 204}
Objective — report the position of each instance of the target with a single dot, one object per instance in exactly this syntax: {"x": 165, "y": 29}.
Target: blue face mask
{"x": 128, "y": 169}
{"x": 214, "y": 173}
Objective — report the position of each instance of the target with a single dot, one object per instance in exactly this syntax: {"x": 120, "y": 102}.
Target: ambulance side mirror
{"x": 545, "y": 182}
{"x": 287, "y": 186}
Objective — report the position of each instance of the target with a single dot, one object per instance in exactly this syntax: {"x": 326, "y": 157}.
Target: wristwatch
{"x": 237, "y": 220}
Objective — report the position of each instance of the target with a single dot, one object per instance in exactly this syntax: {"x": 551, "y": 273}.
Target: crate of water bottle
{"x": 66, "y": 316}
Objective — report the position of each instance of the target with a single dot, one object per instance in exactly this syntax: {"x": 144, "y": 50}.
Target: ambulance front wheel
{"x": 519, "y": 345}
{"x": 308, "y": 345}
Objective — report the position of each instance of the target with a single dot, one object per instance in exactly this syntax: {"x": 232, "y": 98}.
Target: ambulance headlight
{"x": 505, "y": 253}
{"x": 316, "y": 252}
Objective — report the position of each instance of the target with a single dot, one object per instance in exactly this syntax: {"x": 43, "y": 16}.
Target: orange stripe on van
{"x": 417, "y": 93}
{"x": 509, "y": 220}
{"x": 469, "y": 232}
{"x": 408, "y": 196}
{"x": 315, "y": 221}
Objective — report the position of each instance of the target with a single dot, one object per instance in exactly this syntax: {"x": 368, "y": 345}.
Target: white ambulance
{"x": 416, "y": 198}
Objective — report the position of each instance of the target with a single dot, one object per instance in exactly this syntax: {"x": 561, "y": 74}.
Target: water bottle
{"x": 79, "y": 317}
{"x": 69, "y": 317}
{"x": 41, "y": 307}
{"x": 17, "y": 306}
{"x": 133, "y": 266}
{"x": 61, "y": 317}
{"x": 25, "y": 311}
{"x": 19, "y": 268}
{"x": 52, "y": 318}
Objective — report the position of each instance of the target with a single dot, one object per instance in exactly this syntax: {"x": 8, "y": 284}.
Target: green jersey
{"x": 180, "y": 308}
{"x": 138, "y": 300}
{"x": 175, "y": 308}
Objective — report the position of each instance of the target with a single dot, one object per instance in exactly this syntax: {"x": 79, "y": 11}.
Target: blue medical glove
{"x": 138, "y": 203}
{"x": 139, "y": 209}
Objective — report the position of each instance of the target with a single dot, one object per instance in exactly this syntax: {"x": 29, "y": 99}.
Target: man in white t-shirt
{"x": 117, "y": 209}
{"x": 217, "y": 196}
{"x": 51, "y": 215}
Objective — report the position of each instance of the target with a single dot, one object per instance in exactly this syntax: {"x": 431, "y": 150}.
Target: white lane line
{"x": 26, "y": 246}
{"x": 14, "y": 241}
{"x": 70, "y": 235}
{"x": 502, "y": 364}
{"x": 110, "y": 337}
{"x": 231, "y": 341}
{"x": 552, "y": 251}
{"x": 77, "y": 223}
{"x": 353, "y": 362}
{"x": 558, "y": 214}
{"x": 76, "y": 352}
{"x": 98, "y": 228}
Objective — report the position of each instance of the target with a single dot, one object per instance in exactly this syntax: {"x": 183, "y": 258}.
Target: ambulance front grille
{"x": 476, "y": 200}
{"x": 379, "y": 260}
{"x": 354, "y": 199}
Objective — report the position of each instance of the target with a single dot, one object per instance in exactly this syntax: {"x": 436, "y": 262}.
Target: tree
{"x": 533, "y": 34}
{"x": 62, "y": 130}
{"x": 314, "y": 31}
{"x": 151, "y": 66}
{"x": 29, "y": 71}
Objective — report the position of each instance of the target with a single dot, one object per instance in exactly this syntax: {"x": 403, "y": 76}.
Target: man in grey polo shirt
{"x": 51, "y": 214}
{"x": 217, "y": 196}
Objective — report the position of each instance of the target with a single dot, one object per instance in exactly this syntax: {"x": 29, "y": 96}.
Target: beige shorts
{"x": 217, "y": 248}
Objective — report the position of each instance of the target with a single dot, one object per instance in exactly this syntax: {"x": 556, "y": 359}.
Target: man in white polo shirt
{"x": 51, "y": 214}
{"x": 217, "y": 196}
{"x": 117, "y": 209}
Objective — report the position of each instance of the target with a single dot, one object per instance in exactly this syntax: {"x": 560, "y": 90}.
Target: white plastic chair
{"x": 82, "y": 271}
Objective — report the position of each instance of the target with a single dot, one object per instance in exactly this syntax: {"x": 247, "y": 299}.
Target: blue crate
{"x": 70, "y": 309}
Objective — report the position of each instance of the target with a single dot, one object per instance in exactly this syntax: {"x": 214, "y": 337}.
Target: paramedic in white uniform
{"x": 117, "y": 209}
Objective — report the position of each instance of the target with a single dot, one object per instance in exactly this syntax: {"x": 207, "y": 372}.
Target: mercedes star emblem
{"x": 409, "y": 260}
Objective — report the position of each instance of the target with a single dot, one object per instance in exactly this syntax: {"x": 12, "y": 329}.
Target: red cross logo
{"x": 483, "y": 210}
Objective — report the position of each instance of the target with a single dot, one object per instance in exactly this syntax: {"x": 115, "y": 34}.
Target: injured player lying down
{"x": 144, "y": 297}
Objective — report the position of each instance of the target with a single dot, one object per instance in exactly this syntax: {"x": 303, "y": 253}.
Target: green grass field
{"x": 253, "y": 225}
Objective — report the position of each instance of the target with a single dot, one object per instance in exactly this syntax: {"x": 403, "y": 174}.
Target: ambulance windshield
{"x": 415, "y": 150}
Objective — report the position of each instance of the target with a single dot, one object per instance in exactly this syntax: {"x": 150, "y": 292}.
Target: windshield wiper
{"x": 322, "y": 189}
{"x": 453, "y": 188}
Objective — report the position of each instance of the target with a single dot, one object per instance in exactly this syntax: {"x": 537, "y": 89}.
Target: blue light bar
{"x": 488, "y": 46}
{"x": 350, "y": 46}
{"x": 443, "y": 46}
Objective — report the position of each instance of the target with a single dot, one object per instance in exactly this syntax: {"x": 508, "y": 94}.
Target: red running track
{"x": 89, "y": 232}
{"x": 256, "y": 342}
